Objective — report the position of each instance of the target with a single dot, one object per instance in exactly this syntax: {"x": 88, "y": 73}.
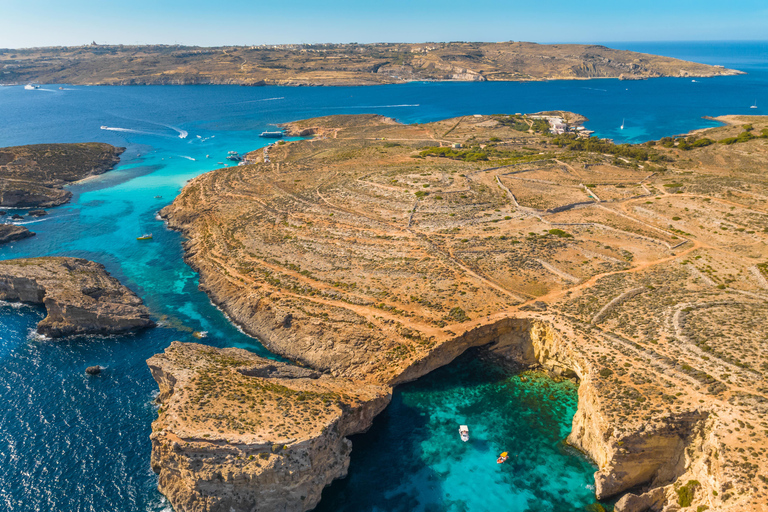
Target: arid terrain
{"x": 376, "y": 252}
{"x": 34, "y": 175}
{"x": 334, "y": 64}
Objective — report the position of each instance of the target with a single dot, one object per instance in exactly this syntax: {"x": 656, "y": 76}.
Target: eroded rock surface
{"x": 377, "y": 252}
{"x": 239, "y": 432}
{"x": 79, "y": 296}
{"x": 11, "y": 233}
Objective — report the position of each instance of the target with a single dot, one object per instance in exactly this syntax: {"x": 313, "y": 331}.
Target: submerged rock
{"x": 93, "y": 370}
{"x": 79, "y": 295}
{"x": 37, "y": 213}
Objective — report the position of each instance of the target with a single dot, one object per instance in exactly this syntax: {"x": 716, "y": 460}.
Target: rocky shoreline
{"x": 80, "y": 297}
{"x": 365, "y": 258}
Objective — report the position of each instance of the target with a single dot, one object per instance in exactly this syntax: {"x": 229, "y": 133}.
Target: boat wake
{"x": 188, "y": 158}
{"x": 371, "y": 106}
{"x": 182, "y": 133}
{"x": 130, "y": 130}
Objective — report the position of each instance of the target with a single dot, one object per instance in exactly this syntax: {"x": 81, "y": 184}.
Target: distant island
{"x": 336, "y": 64}
{"x": 377, "y": 252}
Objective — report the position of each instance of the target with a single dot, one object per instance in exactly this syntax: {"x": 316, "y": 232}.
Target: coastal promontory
{"x": 80, "y": 297}
{"x": 34, "y": 175}
{"x": 376, "y": 252}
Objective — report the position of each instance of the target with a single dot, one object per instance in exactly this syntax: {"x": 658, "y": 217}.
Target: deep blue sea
{"x": 74, "y": 443}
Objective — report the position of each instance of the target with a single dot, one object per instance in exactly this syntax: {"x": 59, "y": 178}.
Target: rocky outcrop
{"x": 10, "y": 233}
{"x": 236, "y": 432}
{"x": 33, "y": 176}
{"x": 79, "y": 296}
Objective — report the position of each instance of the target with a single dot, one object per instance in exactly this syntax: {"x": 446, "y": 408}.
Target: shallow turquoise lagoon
{"x": 412, "y": 459}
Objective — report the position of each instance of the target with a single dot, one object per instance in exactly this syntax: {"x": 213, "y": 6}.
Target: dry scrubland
{"x": 334, "y": 64}
{"x": 373, "y": 256}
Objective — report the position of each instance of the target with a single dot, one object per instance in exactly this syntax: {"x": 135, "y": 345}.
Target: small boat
{"x": 464, "y": 433}
{"x": 622, "y": 124}
{"x": 31, "y": 87}
{"x": 158, "y": 197}
{"x": 272, "y": 135}
{"x": 234, "y": 155}
{"x": 502, "y": 458}
{"x": 755, "y": 105}
{"x": 146, "y": 236}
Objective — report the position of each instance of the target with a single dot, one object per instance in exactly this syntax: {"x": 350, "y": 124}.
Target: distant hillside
{"x": 331, "y": 64}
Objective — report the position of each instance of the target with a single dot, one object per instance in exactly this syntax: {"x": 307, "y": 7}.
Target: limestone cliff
{"x": 236, "y": 432}
{"x": 79, "y": 296}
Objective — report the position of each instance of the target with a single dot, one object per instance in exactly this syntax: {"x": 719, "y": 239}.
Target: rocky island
{"x": 34, "y": 176}
{"x": 376, "y": 252}
{"x": 80, "y": 297}
{"x": 336, "y": 64}
{"x": 11, "y": 233}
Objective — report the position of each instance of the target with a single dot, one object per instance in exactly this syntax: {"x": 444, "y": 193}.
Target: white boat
{"x": 31, "y": 87}
{"x": 464, "y": 433}
{"x": 755, "y": 105}
{"x": 622, "y": 124}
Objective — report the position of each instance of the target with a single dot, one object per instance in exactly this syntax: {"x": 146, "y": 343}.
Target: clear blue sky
{"x": 25, "y": 23}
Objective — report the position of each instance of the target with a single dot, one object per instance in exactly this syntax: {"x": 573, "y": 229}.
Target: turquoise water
{"x": 71, "y": 443}
{"x": 426, "y": 467}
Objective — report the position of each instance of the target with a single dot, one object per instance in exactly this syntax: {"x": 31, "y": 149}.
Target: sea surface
{"x": 74, "y": 443}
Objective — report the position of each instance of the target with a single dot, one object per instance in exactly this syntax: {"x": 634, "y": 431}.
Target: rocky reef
{"x": 11, "y": 233}
{"x": 34, "y": 175}
{"x": 80, "y": 297}
{"x": 377, "y": 252}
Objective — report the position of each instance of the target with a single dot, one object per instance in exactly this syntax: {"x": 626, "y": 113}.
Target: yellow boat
{"x": 148, "y": 236}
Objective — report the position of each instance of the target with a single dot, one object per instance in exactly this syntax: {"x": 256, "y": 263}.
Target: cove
{"x": 413, "y": 460}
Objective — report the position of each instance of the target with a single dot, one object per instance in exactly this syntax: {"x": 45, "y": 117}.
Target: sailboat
{"x": 622, "y": 124}
{"x": 755, "y": 105}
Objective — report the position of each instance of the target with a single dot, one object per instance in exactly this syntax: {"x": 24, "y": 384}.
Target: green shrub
{"x": 560, "y": 233}
{"x": 686, "y": 493}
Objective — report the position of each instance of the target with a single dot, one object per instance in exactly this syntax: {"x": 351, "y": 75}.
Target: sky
{"x": 29, "y": 23}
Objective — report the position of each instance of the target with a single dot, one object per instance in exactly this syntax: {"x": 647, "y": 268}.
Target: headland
{"x": 376, "y": 252}
{"x": 34, "y": 176}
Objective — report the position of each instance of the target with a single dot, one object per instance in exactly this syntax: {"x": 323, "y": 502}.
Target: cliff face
{"x": 284, "y": 443}
{"x": 33, "y": 176}
{"x": 79, "y": 296}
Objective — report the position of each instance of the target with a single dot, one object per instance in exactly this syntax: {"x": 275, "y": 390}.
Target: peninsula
{"x": 376, "y": 252}
{"x": 34, "y": 176}
{"x": 80, "y": 297}
{"x": 335, "y": 64}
